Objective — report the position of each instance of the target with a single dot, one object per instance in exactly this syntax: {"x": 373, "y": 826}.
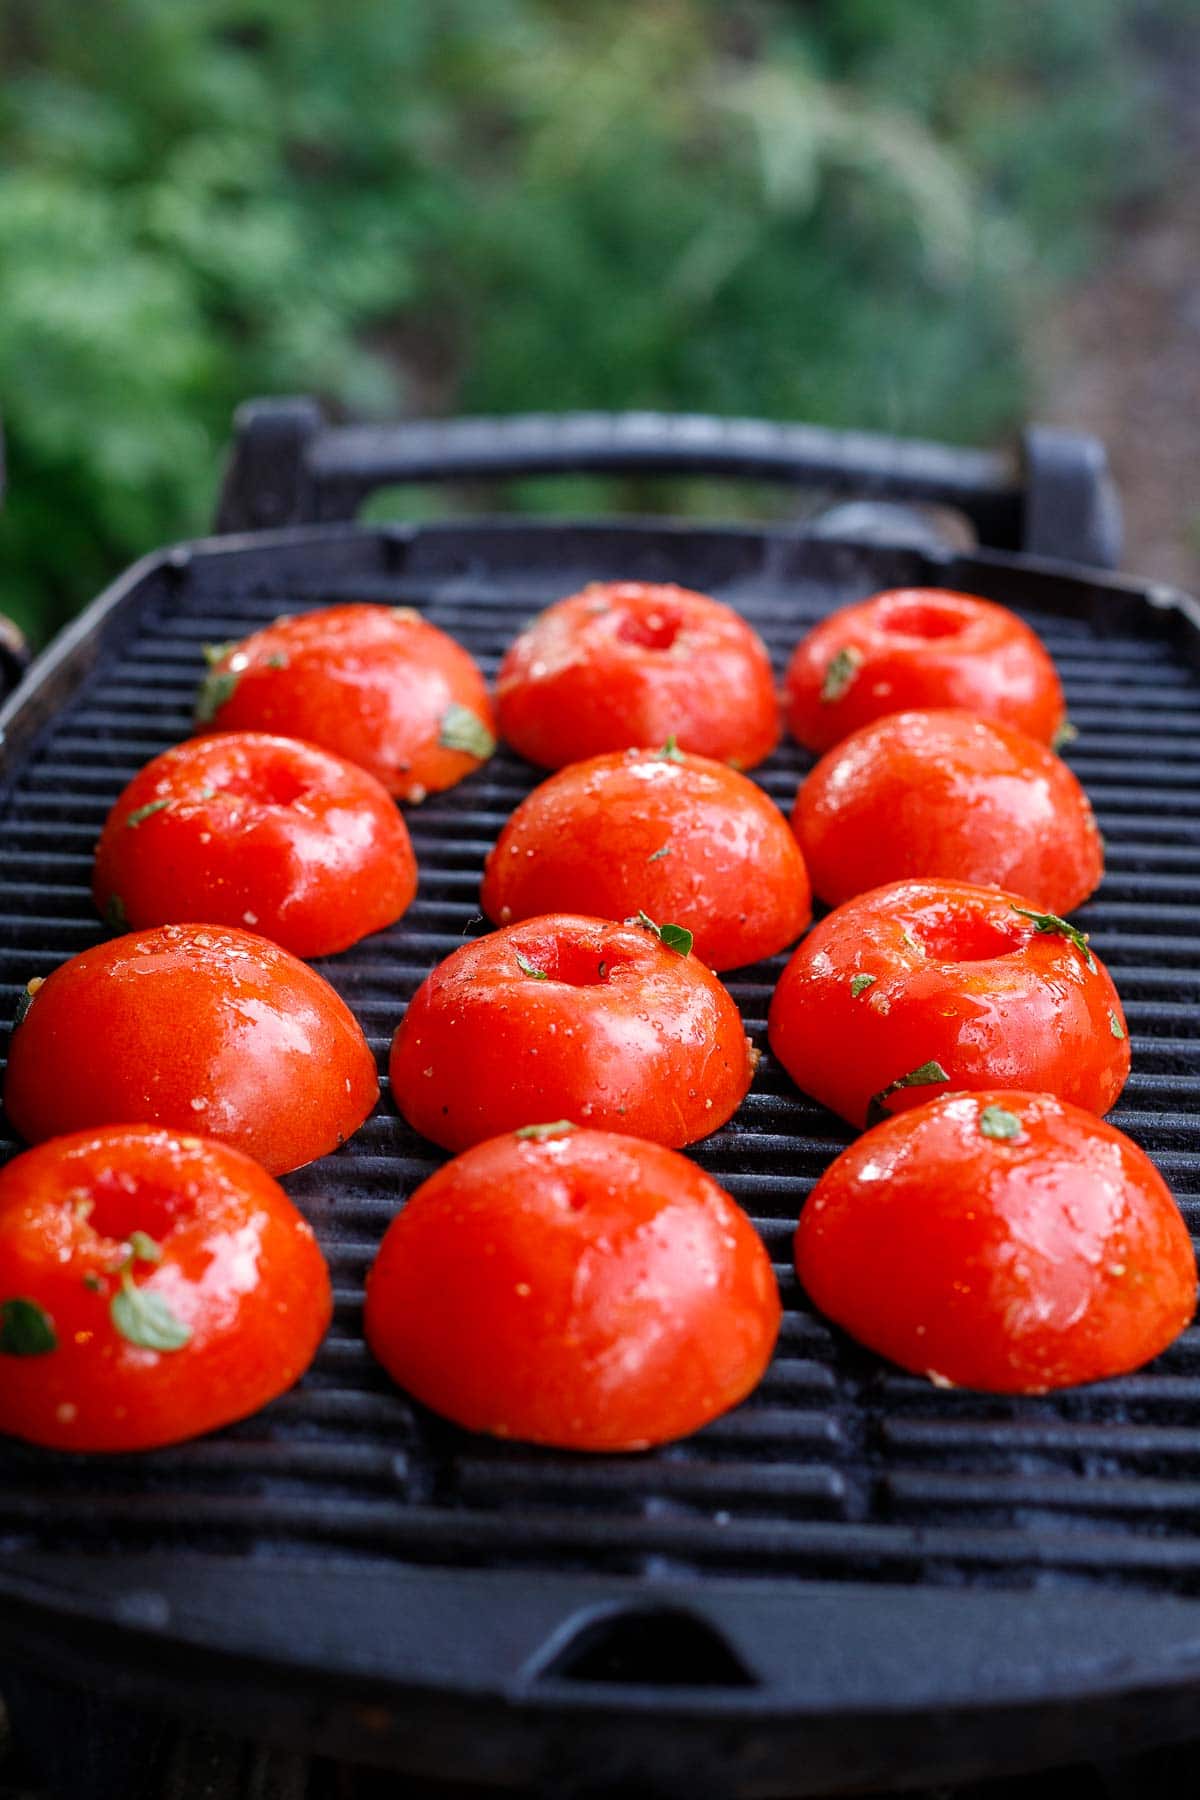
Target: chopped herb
{"x": 93, "y": 1283}
{"x": 860, "y": 984}
{"x": 926, "y": 1076}
{"x": 276, "y": 662}
{"x": 840, "y": 673}
{"x": 670, "y": 751}
{"x": 464, "y": 730}
{"x": 144, "y": 1318}
{"x": 1066, "y": 734}
{"x": 678, "y": 938}
{"x": 25, "y": 1000}
{"x": 539, "y": 1133}
{"x": 143, "y": 812}
{"x": 659, "y": 854}
{"x": 1115, "y": 1026}
{"x": 1050, "y": 922}
{"x": 212, "y": 694}
{"x": 602, "y": 969}
{"x": 998, "y": 1122}
{"x": 114, "y": 913}
{"x": 216, "y": 653}
{"x": 144, "y": 1248}
{"x": 26, "y": 1329}
{"x": 208, "y": 794}
{"x": 528, "y": 968}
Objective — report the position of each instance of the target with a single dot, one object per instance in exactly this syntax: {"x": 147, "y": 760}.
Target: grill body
{"x": 854, "y": 1578}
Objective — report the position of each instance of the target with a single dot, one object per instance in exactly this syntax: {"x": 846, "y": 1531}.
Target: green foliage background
{"x": 837, "y": 211}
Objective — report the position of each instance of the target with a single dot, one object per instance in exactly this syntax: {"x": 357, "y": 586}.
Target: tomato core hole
{"x": 266, "y": 784}
{"x": 123, "y": 1204}
{"x": 964, "y": 940}
{"x": 922, "y": 619}
{"x": 578, "y": 965}
{"x": 656, "y": 630}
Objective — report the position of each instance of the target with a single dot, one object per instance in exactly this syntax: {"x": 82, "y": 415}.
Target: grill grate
{"x": 838, "y": 1468}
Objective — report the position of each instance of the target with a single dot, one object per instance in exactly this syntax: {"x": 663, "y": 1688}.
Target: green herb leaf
{"x": 670, "y": 751}
{"x": 144, "y": 1248}
{"x": 1066, "y": 734}
{"x": 216, "y": 653}
{"x": 143, "y": 812}
{"x": 276, "y": 662}
{"x": 93, "y": 1283}
{"x": 26, "y": 1000}
{"x": 860, "y": 984}
{"x": 646, "y": 922}
{"x": 1114, "y": 1025}
{"x": 658, "y": 855}
{"x": 998, "y": 1122}
{"x": 464, "y": 730}
{"x": 213, "y": 693}
{"x": 677, "y": 937}
{"x": 926, "y": 1076}
{"x": 114, "y": 913}
{"x": 840, "y": 673}
{"x": 1051, "y": 923}
{"x": 144, "y": 1318}
{"x": 528, "y": 968}
{"x": 539, "y": 1133}
{"x": 26, "y": 1329}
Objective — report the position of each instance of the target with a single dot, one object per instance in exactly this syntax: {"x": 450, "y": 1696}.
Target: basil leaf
{"x": 26, "y": 1329}
{"x": 926, "y": 1076}
{"x": 1050, "y": 923}
{"x": 646, "y": 922}
{"x": 216, "y": 653}
{"x": 143, "y": 812}
{"x": 461, "y": 729}
{"x": 860, "y": 984}
{"x": 144, "y": 1318}
{"x": 213, "y": 693}
{"x": 677, "y": 937}
{"x": 1114, "y": 1025}
{"x": 840, "y": 673}
{"x": 658, "y": 855}
{"x": 528, "y": 968}
{"x": 114, "y": 913}
{"x": 539, "y": 1133}
{"x": 1066, "y": 734}
{"x": 998, "y": 1122}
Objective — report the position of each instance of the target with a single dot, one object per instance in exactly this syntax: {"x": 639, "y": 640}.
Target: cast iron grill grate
{"x": 837, "y": 1468}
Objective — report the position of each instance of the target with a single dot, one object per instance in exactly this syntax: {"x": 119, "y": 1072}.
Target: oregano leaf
{"x": 26, "y": 1329}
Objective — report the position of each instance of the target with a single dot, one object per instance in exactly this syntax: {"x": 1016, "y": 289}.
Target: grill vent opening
{"x": 649, "y": 1648}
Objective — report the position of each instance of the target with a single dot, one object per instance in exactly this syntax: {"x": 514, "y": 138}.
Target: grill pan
{"x": 855, "y": 1578}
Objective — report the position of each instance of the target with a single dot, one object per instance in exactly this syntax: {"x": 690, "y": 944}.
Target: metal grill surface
{"x": 838, "y": 1467}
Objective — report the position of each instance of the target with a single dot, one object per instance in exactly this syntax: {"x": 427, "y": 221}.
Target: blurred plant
{"x": 807, "y": 210}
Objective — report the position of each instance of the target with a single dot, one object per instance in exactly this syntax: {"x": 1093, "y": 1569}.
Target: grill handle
{"x": 1055, "y": 499}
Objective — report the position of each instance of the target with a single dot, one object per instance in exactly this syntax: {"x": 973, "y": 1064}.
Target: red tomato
{"x": 678, "y": 837}
{"x": 578, "y": 1289}
{"x": 197, "y": 1028}
{"x": 944, "y": 793}
{"x": 627, "y": 664}
{"x": 151, "y": 1287}
{"x": 574, "y": 1018}
{"x": 375, "y": 684}
{"x": 920, "y": 647}
{"x": 244, "y": 829}
{"x": 967, "y": 985}
{"x": 999, "y": 1240}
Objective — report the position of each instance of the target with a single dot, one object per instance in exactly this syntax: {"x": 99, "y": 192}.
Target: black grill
{"x": 1015, "y": 1548}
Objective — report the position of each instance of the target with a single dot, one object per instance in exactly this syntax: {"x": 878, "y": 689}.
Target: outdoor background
{"x": 935, "y": 217}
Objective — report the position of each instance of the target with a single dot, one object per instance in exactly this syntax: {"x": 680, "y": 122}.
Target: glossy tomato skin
{"x": 378, "y": 685}
{"x": 629, "y": 664}
{"x": 589, "y": 1291}
{"x": 246, "y": 829}
{"x": 622, "y": 1032}
{"x": 239, "y": 1269}
{"x": 678, "y": 837}
{"x": 915, "y": 648}
{"x": 937, "y": 971}
{"x": 945, "y": 794}
{"x": 1014, "y": 1265}
{"x": 196, "y": 1028}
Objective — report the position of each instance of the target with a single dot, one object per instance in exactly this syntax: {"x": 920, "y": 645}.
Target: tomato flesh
{"x": 230, "y": 1258}
{"x": 589, "y": 1290}
{"x": 1011, "y": 1263}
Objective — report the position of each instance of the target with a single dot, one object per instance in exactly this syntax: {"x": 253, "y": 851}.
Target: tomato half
{"x": 574, "y": 1288}
{"x": 679, "y": 837}
{"x": 1000, "y": 1240}
{"x": 573, "y": 1018}
{"x": 152, "y": 1287}
{"x": 378, "y": 685}
{"x": 629, "y": 664}
{"x": 946, "y": 794}
{"x": 303, "y": 847}
{"x": 966, "y": 986}
{"x": 920, "y": 647}
{"x": 198, "y": 1028}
